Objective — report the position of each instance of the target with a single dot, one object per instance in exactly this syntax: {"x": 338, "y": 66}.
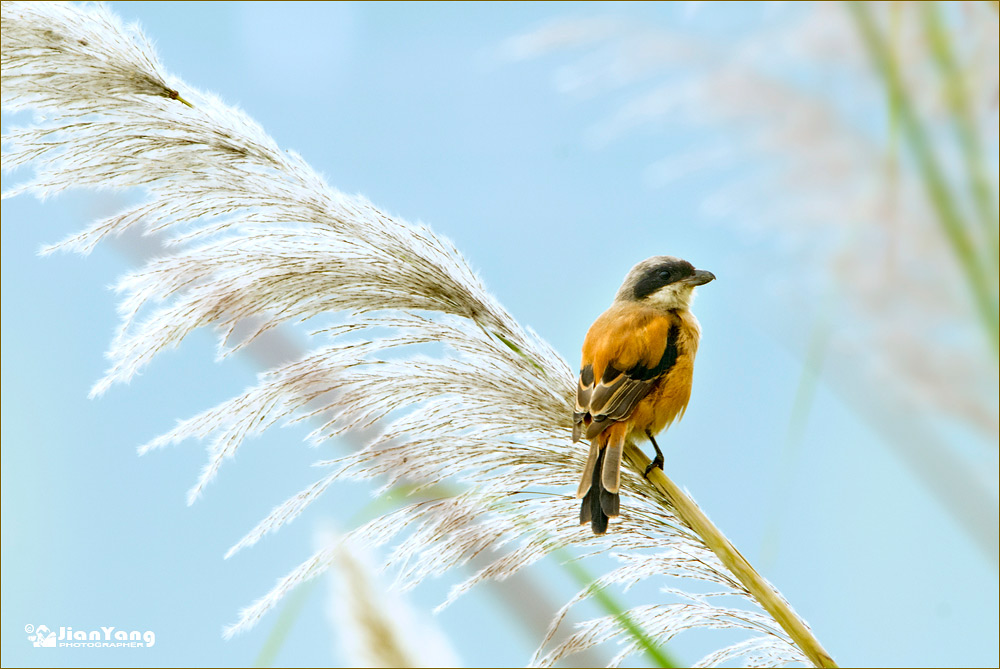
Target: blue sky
{"x": 412, "y": 106}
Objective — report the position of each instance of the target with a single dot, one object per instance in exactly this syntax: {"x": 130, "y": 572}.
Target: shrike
{"x": 635, "y": 377}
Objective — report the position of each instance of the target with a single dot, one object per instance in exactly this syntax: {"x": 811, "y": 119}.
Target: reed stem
{"x": 765, "y": 594}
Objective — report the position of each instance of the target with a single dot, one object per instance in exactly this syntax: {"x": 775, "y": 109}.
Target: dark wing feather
{"x": 583, "y": 392}
{"x": 615, "y": 396}
{"x": 615, "y": 401}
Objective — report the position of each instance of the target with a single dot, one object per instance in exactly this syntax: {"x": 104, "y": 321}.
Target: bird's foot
{"x": 657, "y": 462}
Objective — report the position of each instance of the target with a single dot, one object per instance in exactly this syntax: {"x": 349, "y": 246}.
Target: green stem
{"x": 611, "y": 606}
{"x": 805, "y": 395}
{"x": 941, "y": 199}
{"x": 294, "y": 606}
{"x": 965, "y": 127}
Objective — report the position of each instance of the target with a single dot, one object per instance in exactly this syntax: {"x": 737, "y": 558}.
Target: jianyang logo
{"x": 103, "y": 637}
{"x": 41, "y": 637}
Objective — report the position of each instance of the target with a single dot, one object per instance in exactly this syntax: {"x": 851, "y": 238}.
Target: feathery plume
{"x": 260, "y": 237}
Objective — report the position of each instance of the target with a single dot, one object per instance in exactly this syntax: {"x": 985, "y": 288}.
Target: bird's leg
{"x": 657, "y": 462}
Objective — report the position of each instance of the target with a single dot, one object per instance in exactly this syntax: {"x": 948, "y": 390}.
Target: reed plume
{"x": 458, "y": 390}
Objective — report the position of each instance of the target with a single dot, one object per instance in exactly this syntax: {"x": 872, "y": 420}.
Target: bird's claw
{"x": 657, "y": 463}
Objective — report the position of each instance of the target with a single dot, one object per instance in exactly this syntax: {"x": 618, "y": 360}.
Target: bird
{"x": 635, "y": 375}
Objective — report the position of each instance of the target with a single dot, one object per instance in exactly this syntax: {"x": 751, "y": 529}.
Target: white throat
{"x": 672, "y": 296}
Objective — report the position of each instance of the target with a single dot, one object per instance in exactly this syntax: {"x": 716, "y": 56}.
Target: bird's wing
{"x": 631, "y": 355}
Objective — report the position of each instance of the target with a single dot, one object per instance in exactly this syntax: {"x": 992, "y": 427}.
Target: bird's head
{"x": 663, "y": 282}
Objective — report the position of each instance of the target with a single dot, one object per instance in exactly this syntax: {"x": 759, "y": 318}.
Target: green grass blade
{"x": 957, "y": 95}
{"x": 294, "y": 606}
{"x": 954, "y": 227}
{"x": 601, "y": 596}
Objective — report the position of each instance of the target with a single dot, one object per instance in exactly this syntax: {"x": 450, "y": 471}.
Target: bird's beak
{"x": 700, "y": 278}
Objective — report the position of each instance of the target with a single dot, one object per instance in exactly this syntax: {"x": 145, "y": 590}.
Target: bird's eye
{"x": 664, "y": 274}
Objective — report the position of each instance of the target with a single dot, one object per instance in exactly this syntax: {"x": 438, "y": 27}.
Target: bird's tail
{"x": 601, "y": 477}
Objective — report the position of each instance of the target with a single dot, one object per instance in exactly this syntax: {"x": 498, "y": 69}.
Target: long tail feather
{"x": 591, "y": 508}
{"x": 588, "y": 470}
{"x": 612, "y": 470}
{"x": 599, "y": 504}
